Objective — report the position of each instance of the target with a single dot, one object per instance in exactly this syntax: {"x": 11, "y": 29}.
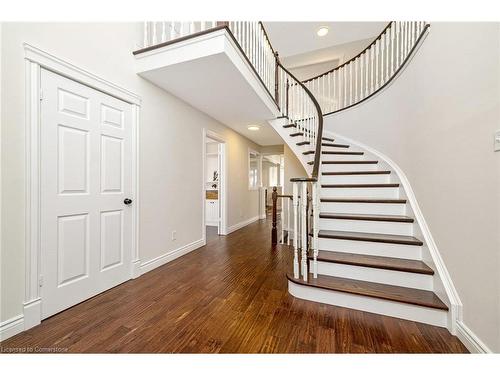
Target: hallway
{"x": 229, "y": 296}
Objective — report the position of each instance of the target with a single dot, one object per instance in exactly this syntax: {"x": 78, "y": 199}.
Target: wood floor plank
{"x": 229, "y": 296}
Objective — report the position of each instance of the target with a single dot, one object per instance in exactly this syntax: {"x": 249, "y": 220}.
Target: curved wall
{"x": 437, "y": 120}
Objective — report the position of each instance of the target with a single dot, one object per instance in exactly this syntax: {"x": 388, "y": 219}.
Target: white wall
{"x": 170, "y": 146}
{"x": 293, "y": 168}
{"x": 310, "y": 64}
{"x": 437, "y": 122}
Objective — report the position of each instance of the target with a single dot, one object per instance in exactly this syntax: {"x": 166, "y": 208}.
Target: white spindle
{"x": 145, "y": 41}
{"x": 392, "y": 48}
{"x": 295, "y": 203}
{"x": 153, "y": 33}
{"x": 350, "y": 84}
{"x": 288, "y": 221}
{"x": 356, "y": 67}
{"x": 315, "y": 207}
{"x": 303, "y": 230}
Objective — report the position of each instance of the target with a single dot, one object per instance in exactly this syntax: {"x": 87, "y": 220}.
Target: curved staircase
{"x": 360, "y": 246}
{"x": 368, "y": 256}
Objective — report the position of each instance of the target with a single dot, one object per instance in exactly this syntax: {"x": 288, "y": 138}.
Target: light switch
{"x": 497, "y": 140}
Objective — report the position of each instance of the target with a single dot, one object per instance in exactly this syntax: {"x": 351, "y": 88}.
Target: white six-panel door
{"x": 86, "y": 174}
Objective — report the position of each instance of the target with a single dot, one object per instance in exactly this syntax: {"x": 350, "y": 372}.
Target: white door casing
{"x": 86, "y": 150}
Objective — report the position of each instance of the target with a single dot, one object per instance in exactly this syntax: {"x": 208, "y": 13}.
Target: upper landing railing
{"x": 370, "y": 70}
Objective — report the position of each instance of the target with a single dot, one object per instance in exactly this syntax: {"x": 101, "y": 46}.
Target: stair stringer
{"x": 277, "y": 125}
{"x": 443, "y": 284}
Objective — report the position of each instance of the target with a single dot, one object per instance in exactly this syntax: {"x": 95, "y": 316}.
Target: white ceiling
{"x": 214, "y": 85}
{"x": 291, "y": 38}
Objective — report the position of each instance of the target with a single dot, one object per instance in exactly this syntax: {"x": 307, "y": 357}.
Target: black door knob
{"x": 127, "y": 201}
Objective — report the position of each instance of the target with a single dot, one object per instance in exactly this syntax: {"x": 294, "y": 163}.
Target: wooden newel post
{"x": 274, "y": 231}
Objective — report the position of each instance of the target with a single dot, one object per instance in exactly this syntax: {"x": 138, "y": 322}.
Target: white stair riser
{"x": 356, "y": 179}
{"x": 335, "y": 157}
{"x": 367, "y": 226}
{"x": 382, "y": 192}
{"x": 348, "y": 167}
{"x": 376, "y": 275}
{"x": 364, "y": 208}
{"x": 374, "y": 305}
{"x": 372, "y": 248}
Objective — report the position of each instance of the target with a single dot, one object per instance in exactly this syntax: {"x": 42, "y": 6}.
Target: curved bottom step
{"x": 423, "y": 307}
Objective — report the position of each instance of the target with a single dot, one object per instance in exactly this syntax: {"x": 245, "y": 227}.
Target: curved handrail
{"x": 353, "y": 58}
{"x": 319, "y": 131}
{"x": 369, "y": 71}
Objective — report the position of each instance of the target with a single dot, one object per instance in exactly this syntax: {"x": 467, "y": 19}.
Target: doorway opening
{"x": 273, "y": 171}
{"x": 214, "y": 185}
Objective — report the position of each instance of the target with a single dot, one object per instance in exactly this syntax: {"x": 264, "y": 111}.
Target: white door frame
{"x": 35, "y": 59}
{"x": 222, "y": 183}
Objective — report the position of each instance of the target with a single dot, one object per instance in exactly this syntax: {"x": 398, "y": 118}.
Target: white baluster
{"x": 295, "y": 203}
{"x": 382, "y": 60}
{"x": 329, "y": 103}
{"x": 163, "y": 32}
{"x": 181, "y": 29}
{"x": 350, "y": 84}
{"x": 203, "y": 25}
{"x": 282, "y": 217}
{"x": 315, "y": 242}
{"x": 377, "y": 56}
{"x": 372, "y": 64}
{"x": 192, "y": 28}
{"x": 304, "y": 230}
{"x": 356, "y": 67}
{"x": 154, "y": 39}
{"x": 392, "y": 48}
{"x": 366, "y": 57}
{"x": 172, "y": 30}
{"x": 288, "y": 221}
{"x": 145, "y": 42}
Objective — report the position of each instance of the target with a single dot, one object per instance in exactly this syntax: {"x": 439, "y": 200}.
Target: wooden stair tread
{"x": 336, "y": 152}
{"x": 394, "y": 293}
{"x": 303, "y": 143}
{"x": 353, "y": 173}
{"x": 374, "y": 261}
{"x": 363, "y": 200}
{"x": 334, "y": 145}
{"x": 348, "y": 162}
{"x": 297, "y": 134}
{"x": 367, "y": 217}
{"x": 289, "y": 126}
{"x": 370, "y": 237}
{"x": 360, "y": 185}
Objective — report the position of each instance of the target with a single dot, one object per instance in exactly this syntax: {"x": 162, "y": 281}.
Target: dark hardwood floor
{"x": 228, "y": 297}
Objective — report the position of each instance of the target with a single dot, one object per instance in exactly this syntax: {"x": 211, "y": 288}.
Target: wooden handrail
{"x": 319, "y": 136}
{"x": 355, "y": 57}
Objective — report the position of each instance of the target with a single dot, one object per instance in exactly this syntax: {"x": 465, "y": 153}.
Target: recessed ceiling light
{"x": 253, "y": 127}
{"x": 322, "y": 31}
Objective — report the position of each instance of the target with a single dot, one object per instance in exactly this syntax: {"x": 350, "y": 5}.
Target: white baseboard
{"x": 242, "y": 224}
{"x": 136, "y": 269}
{"x": 263, "y": 216}
{"x": 32, "y": 312}
{"x": 168, "y": 257}
{"x": 470, "y": 340}
{"x": 11, "y": 327}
